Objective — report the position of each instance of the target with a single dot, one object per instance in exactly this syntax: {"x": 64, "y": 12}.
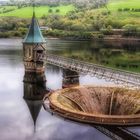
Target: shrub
{"x": 120, "y": 9}
{"x": 130, "y": 27}
{"x": 132, "y": 9}
{"x": 17, "y": 34}
{"x": 44, "y": 17}
{"x": 50, "y": 11}
{"x": 100, "y": 36}
{"x": 107, "y": 31}
{"x": 131, "y": 30}
{"x": 57, "y": 11}
{"x": 137, "y": 10}
{"x": 138, "y": 32}
{"x": 114, "y": 23}
{"x": 109, "y": 12}
{"x": 74, "y": 34}
{"x": 7, "y": 10}
{"x": 104, "y": 13}
{"x": 5, "y": 34}
{"x": 22, "y": 31}
{"x": 126, "y": 9}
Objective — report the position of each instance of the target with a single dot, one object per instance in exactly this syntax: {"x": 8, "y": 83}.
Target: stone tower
{"x": 34, "y": 50}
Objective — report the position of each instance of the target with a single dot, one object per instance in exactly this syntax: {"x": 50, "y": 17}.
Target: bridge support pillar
{"x": 70, "y": 78}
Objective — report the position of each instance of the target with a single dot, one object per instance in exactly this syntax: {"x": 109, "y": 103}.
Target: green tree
{"x": 57, "y": 11}
{"x": 50, "y": 11}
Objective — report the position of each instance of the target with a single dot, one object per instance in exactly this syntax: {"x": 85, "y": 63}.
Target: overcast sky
{"x": 8, "y": 0}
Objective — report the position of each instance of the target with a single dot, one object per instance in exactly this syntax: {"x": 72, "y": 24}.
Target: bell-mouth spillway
{"x": 98, "y": 105}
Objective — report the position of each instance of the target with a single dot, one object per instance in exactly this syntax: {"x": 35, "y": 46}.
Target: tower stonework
{"x": 34, "y": 48}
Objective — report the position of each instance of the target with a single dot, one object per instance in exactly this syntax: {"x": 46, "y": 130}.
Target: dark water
{"x": 112, "y": 54}
{"x": 24, "y": 119}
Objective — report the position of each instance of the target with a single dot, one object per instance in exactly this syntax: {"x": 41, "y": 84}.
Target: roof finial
{"x": 33, "y": 8}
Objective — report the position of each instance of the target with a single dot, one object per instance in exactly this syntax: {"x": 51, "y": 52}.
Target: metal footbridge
{"x": 117, "y": 76}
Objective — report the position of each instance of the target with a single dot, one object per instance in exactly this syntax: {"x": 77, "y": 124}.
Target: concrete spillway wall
{"x": 68, "y": 110}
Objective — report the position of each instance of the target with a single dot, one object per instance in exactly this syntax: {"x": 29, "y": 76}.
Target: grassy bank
{"x": 26, "y": 12}
{"x": 65, "y": 19}
{"x": 110, "y": 57}
{"x": 125, "y": 10}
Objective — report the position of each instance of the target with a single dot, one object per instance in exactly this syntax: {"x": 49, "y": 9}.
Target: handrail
{"x": 117, "y": 75}
{"x": 91, "y": 64}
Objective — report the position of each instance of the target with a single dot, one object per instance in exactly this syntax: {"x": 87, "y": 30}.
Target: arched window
{"x": 30, "y": 52}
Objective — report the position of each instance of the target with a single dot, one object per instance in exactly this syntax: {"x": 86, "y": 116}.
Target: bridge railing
{"x": 114, "y": 75}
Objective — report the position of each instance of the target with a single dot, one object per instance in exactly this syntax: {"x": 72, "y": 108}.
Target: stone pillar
{"x": 70, "y": 78}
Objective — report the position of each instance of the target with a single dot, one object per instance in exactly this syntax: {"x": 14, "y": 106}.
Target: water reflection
{"x": 47, "y": 126}
{"x": 16, "y": 122}
{"x": 34, "y": 91}
{"x": 121, "y": 55}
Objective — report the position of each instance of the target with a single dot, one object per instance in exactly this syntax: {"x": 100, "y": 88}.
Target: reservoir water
{"x": 23, "y": 119}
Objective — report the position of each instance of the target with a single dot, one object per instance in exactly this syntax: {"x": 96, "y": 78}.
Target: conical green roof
{"x": 34, "y": 34}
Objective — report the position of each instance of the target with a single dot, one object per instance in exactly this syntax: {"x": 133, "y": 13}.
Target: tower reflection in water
{"x": 34, "y": 91}
{"x": 70, "y": 78}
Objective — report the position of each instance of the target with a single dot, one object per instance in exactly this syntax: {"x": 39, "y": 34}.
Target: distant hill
{"x": 131, "y": 8}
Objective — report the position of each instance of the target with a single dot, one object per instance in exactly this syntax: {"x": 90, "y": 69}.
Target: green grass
{"x": 116, "y": 4}
{"x": 113, "y": 6}
{"x": 26, "y": 12}
{"x": 125, "y": 17}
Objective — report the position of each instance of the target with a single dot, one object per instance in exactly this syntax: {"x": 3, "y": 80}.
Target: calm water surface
{"x": 23, "y": 119}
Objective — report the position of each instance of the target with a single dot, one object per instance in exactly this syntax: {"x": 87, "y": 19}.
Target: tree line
{"x": 77, "y": 3}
